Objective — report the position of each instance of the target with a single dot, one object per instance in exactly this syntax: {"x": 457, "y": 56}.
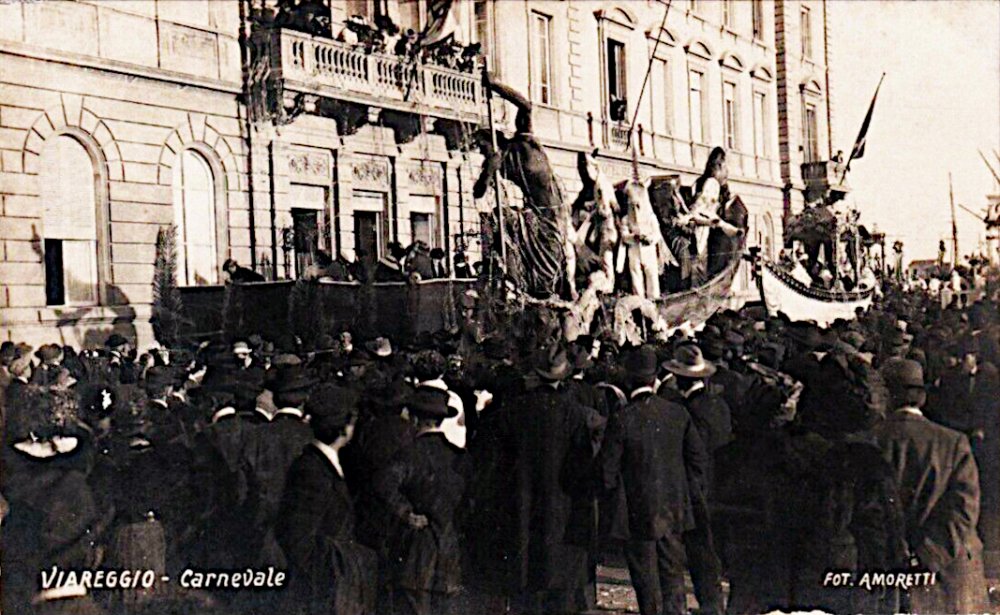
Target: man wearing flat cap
{"x": 121, "y": 359}
{"x": 939, "y": 488}
{"x": 328, "y": 570}
{"x": 423, "y": 487}
{"x": 654, "y": 452}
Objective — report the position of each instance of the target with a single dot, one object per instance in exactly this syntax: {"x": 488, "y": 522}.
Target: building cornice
{"x": 117, "y": 67}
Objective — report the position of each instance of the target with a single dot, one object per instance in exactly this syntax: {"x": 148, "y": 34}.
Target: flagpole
{"x": 954, "y": 227}
{"x": 864, "y": 129}
{"x": 496, "y": 172}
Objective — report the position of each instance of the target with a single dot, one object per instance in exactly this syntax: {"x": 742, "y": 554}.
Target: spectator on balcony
{"x": 390, "y": 267}
{"x": 438, "y": 264}
{"x": 309, "y": 16}
{"x": 462, "y": 269}
{"x": 240, "y": 275}
{"x": 418, "y": 262}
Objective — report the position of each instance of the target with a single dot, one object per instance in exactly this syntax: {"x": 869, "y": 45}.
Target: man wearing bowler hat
{"x": 939, "y": 488}
{"x": 712, "y": 418}
{"x": 653, "y": 451}
{"x": 423, "y": 487}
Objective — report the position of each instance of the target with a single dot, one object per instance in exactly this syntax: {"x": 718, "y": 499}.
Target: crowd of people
{"x": 437, "y": 476}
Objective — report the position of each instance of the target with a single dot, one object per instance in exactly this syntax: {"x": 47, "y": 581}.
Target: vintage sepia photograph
{"x": 499, "y": 307}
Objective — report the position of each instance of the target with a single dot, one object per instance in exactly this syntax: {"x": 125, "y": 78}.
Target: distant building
{"x": 117, "y": 118}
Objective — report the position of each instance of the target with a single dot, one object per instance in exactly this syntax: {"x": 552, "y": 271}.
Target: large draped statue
{"x": 544, "y": 234}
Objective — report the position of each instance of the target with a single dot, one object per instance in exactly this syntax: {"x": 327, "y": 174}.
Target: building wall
{"x": 801, "y": 79}
{"x": 138, "y": 82}
{"x": 135, "y": 83}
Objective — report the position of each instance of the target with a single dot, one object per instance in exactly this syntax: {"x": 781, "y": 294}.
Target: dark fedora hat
{"x": 689, "y": 362}
{"x": 903, "y": 373}
{"x": 292, "y": 379}
{"x": 332, "y": 403}
{"x": 431, "y": 403}
{"x": 160, "y": 376}
{"x": 115, "y": 340}
{"x": 552, "y": 363}
{"x": 641, "y": 362}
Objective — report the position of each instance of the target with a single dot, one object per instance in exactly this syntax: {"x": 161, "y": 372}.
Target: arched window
{"x": 69, "y": 222}
{"x": 194, "y": 215}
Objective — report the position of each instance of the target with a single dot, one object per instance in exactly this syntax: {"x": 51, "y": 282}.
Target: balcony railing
{"x": 338, "y": 70}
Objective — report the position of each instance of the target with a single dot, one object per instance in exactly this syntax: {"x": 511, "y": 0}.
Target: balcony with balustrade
{"x": 825, "y": 181}
{"x": 300, "y": 67}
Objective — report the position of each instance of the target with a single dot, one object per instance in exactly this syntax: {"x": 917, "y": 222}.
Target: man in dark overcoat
{"x": 654, "y": 450}
{"x": 712, "y": 418}
{"x": 939, "y": 489}
{"x": 552, "y": 441}
{"x": 328, "y": 570}
{"x": 423, "y": 487}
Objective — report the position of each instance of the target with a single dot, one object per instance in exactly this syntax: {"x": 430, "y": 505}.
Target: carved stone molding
{"x": 426, "y": 177}
{"x": 369, "y": 172}
{"x": 309, "y": 166}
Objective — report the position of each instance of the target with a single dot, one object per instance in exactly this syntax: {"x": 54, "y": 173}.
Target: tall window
{"x": 760, "y": 124}
{"x": 194, "y": 215}
{"x": 484, "y": 29}
{"x": 696, "y": 105}
{"x": 69, "y": 223}
{"x": 729, "y": 114}
{"x": 617, "y": 85}
{"x": 667, "y": 99}
{"x": 811, "y": 134}
{"x": 728, "y": 13}
{"x": 541, "y": 53}
{"x": 758, "y": 19}
{"x": 805, "y": 31}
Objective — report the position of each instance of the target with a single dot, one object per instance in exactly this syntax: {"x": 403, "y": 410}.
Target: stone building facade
{"x": 264, "y": 144}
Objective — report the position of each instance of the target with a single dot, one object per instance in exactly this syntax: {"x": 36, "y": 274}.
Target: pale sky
{"x": 940, "y": 103}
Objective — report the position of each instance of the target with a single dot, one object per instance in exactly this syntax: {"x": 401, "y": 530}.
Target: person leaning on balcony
{"x": 239, "y": 274}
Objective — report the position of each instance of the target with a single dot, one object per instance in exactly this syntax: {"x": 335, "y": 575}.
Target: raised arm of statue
{"x": 523, "y": 120}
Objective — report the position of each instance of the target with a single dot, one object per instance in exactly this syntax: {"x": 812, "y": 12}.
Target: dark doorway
{"x": 366, "y": 233}
{"x": 306, "y": 224}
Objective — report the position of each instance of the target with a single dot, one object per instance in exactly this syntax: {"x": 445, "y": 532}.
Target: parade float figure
{"x": 645, "y": 247}
{"x": 596, "y": 213}
{"x": 544, "y": 236}
{"x": 693, "y": 224}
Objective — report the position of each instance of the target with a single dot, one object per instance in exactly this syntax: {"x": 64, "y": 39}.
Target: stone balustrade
{"x": 343, "y": 71}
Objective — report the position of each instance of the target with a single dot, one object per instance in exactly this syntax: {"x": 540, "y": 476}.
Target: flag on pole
{"x": 441, "y": 23}
{"x": 859, "y": 143}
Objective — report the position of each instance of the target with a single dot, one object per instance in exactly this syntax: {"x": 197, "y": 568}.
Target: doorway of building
{"x": 306, "y": 232}
{"x": 366, "y": 235}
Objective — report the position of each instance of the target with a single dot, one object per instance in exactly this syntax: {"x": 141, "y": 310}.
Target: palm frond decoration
{"x": 168, "y": 310}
